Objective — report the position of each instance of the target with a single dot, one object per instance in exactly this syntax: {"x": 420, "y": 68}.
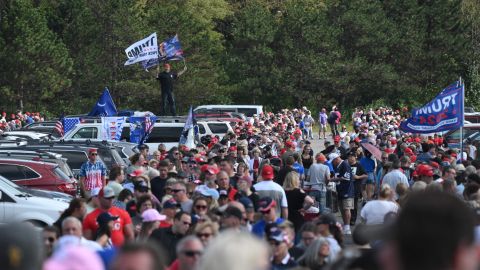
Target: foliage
{"x": 58, "y": 55}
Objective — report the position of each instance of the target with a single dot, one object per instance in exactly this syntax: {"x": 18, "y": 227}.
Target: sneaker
{"x": 347, "y": 231}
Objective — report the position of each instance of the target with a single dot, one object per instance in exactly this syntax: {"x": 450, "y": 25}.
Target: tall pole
{"x": 463, "y": 118}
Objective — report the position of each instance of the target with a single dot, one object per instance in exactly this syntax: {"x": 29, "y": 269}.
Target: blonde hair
{"x": 235, "y": 251}
{"x": 292, "y": 181}
{"x": 386, "y": 191}
{"x": 207, "y": 224}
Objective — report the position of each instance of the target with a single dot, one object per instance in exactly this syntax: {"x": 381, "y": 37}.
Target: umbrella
{"x": 373, "y": 150}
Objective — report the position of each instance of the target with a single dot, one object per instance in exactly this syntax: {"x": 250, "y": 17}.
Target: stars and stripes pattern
{"x": 70, "y": 123}
{"x": 59, "y": 126}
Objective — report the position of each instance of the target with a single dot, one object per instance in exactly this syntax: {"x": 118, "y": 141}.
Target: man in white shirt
{"x": 394, "y": 177}
{"x": 268, "y": 188}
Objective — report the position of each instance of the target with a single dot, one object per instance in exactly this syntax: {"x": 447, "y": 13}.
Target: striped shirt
{"x": 93, "y": 173}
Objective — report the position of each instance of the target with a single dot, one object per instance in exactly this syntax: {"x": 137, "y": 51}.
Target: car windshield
{"x": 10, "y": 187}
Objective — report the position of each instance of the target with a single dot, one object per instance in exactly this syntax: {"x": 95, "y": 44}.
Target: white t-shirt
{"x": 268, "y": 188}
{"x": 374, "y": 211}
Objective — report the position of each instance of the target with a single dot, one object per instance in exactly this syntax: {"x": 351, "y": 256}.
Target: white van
{"x": 166, "y": 133}
{"x": 248, "y": 110}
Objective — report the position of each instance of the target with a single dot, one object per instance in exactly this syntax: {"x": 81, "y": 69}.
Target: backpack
{"x": 332, "y": 118}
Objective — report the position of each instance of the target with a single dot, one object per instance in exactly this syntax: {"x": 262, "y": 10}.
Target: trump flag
{"x": 168, "y": 50}
{"x": 444, "y": 112}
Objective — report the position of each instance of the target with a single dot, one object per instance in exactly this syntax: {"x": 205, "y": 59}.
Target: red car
{"x": 37, "y": 174}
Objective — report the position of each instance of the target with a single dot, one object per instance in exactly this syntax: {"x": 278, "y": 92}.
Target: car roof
{"x": 26, "y": 162}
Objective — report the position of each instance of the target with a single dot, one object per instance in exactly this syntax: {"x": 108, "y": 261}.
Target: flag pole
{"x": 463, "y": 118}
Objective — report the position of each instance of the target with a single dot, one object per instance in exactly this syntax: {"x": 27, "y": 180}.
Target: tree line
{"x": 57, "y": 55}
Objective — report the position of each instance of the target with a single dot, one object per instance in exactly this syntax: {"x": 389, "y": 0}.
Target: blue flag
{"x": 190, "y": 124}
{"x": 141, "y": 127}
{"x": 104, "y": 105}
{"x": 69, "y": 123}
{"x": 444, "y": 112}
{"x": 169, "y": 50}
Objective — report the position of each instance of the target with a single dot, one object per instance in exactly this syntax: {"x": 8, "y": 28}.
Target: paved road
{"x": 317, "y": 146}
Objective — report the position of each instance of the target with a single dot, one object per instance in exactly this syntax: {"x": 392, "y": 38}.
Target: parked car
{"x": 55, "y": 195}
{"x": 37, "y": 174}
{"x": 248, "y": 110}
{"x": 20, "y": 206}
{"x": 77, "y": 154}
{"x": 39, "y": 155}
{"x": 167, "y": 133}
{"x": 124, "y": 149}
{"x": 43, "y": 127}
{"x": 29, "y": 135}
{"x": 471, "y": 132}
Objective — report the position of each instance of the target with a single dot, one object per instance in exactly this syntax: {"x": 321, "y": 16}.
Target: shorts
{"x": 370, "y": 179}
{"x": 345, "y": 203}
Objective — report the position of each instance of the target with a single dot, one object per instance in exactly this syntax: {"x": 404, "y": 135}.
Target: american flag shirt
{"x": 93, "y": 173}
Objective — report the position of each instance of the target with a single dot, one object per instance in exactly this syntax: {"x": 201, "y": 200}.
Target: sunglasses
{"x": 192, "y": 253}
{"x": 177, "y": 190}
{"x": 50, "y": 239}
{"x": 204, "y": 235}
{"x": 187, "y": 223}
{"x": 93, "y": 154}
{"x": 275, "y": 243}
{"x": 200, "y": 206}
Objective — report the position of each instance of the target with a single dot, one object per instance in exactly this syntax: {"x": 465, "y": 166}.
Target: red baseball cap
{"x": 267, "y": 172}
{"x": 212, "y": 169}
{"x": 92, "y": 150}
{"x": 424, "y": 170}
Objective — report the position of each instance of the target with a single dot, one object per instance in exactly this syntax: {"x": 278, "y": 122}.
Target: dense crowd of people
{"x": 262, "y": 198}
{"x": 18, "y": 120}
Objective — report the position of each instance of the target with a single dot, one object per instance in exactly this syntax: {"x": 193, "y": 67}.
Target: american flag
{"x": 149, "y": 121}
{"x": 70, "y": 123}
{"x": 59, "y": 125}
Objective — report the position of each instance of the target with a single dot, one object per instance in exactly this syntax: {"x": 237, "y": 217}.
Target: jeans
{"x": 334, "y": 128}
{"x": 321, "y": 198}
{"x": 167, "y": 97}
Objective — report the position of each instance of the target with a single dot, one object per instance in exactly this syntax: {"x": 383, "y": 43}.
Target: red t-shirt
{"x": 90, "y": 223}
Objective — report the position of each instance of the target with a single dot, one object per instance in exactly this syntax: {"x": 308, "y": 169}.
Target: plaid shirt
{"x": 93, "y": 173}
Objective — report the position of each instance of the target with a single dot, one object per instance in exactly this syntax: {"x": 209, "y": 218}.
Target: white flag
{"x": 112, "y": 127}
{"x": 142, "y": 50}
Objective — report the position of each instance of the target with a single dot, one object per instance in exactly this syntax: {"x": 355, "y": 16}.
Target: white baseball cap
{"x": 333, "y": 156}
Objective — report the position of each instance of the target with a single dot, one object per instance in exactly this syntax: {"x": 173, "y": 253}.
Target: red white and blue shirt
{"x": 93, "y": 173}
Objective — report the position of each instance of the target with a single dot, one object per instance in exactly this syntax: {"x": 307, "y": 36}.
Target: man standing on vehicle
{"x": 166, "y": 79}
{"x": 92, "y": 174}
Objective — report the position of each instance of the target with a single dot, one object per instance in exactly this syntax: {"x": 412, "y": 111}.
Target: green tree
{"x": 252, "y": 54}
{"x": 35, "y": 63}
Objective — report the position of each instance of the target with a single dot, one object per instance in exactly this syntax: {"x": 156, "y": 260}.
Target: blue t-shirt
{"x": 368, "y": 164}
{"x": 298, "y": 168}
{"x": 330, "y": 165}
{"x": 345, "y": 188}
